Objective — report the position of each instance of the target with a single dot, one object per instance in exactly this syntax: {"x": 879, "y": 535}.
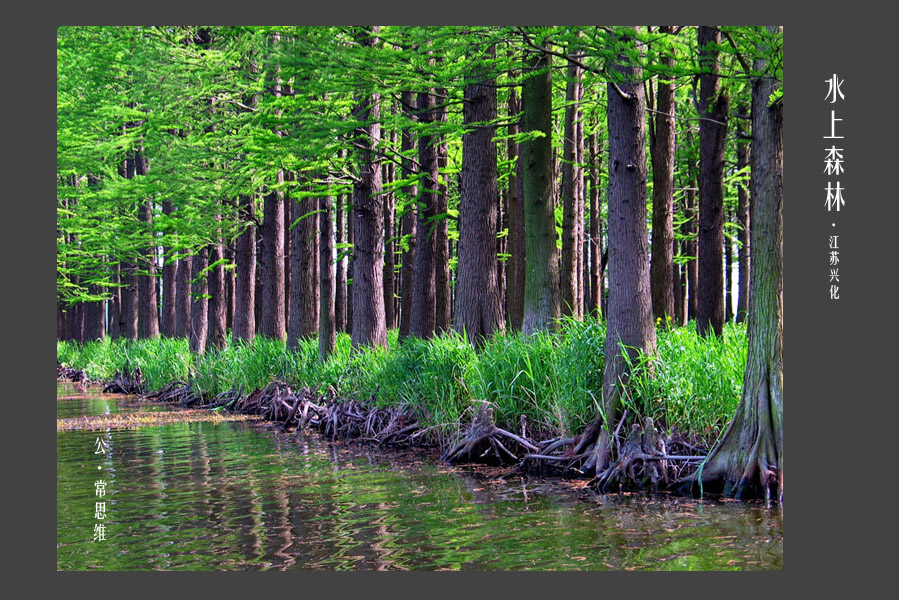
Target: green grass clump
{"x": 555, "y": 379}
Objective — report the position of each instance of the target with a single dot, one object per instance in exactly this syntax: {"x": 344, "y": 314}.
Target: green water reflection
{"x": 244, "y": 496}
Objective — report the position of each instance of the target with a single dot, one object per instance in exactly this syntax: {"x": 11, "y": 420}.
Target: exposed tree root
{"x": 484, "y": 441}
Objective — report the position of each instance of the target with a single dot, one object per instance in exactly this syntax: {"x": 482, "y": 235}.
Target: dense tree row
{"x": 297, "y": 181}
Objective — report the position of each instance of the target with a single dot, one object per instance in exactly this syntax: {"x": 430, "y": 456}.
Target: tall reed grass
{"x": 693, "y": 383}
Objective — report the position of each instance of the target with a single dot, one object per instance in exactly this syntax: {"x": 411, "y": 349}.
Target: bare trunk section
{"x": 423, "y": 320}
{"x": 369, "y": 325}
{"x": 304, "y": 300}
{"x": 148, "y": 311}
{"x": 442, "y": 296}
{"x": 541, "y": 294}
{"x": 479, "y": 308}
{"x": 572, "y": 215}
{"x": 389, "y": 277}
{"x": 217, "y": 317}
{"x": 408, "y": 221}
{"x": 713, "y": 108}
{"x": 245, "y": 285}
{"x": 199, "y": 303}
{"x": 594, "y": 303}
{"x": 515, "y": 266}
{"x": 169, "y": 284}
{"x": 629, "y": 314}
{"x": 327, "y": 332}
{"x": 661, "y": 272}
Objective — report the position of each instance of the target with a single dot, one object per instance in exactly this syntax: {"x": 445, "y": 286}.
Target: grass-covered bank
{"x": 553, "y": 379}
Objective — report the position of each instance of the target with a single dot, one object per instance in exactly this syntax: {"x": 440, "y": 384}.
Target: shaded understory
{"x": 541, "y": 393}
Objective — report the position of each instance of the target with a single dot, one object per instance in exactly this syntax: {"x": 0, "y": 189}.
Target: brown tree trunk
{"x": 690, "y": 228}
{"x": 442, "y": 297}
{"x": 572, "y": 217}
{"x": 661, "y": 272}
{"x": 423, "y": 319}
{"x": 199, "y": 303}
{"x": 115, "y": 304}
{"x": 596, "y": 281}
{"x": 129, "y": 301}
{"x": 713, "y": 110}
{"x": 515, "y": 266}
{"x": 541, "y": 295}
{"x": 304, "y": 300}
{"x": 479, "y": 307}
{"x": 340, "y": 266}
{"x": 217, "y": 311}
{"x": 182, "y": 297}
{"x": 389, "y": 276}
{"x": 94, "y": 317}
{"x": 748, "y": 460}
{"x": 169, "y": 287}
{"x": 629, "y": 313}
{"x": 743, "y": 251}
{"x": 148, "y": 312}
{"x": 245, "y": 285}
{"x": 369, "y": 325}
{"x": 408, "y": 220}
{"x": 327, "y": 332}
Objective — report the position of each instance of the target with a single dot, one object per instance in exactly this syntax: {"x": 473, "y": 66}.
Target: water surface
{"x": 246, "y": 496}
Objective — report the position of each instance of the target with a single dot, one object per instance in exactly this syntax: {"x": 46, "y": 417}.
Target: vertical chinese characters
{"x": 833, "y": 167}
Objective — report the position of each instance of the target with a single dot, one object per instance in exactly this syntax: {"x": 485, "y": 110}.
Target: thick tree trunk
{"x": 748, "y": 460}
{"x": 369, "y": 325}
{"x": 713, "y": 110}
{"x": 340, "y": 267}
{"x": 304, "y": 299}
{"x": 541, "y": 294}
{"x": 423, "y": 320}
{"x": 327, "y": 332}
{"x": 245, "y": 285}
{"x": 148, "y": 311}
{"x": 629, "y": 314}
{"x": 479, "y": 307}
{"x": 199, "y": 303}
{"x": 408, "y": 220}
{"x": 94, "y": 317}
{"x": 661, "y": 272}
{"x": 515, "y": 266}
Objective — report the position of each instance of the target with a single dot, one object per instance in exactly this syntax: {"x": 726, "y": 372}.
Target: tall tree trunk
{"x": 661, "y": 272}
{"x": 217, "y": 311}
{"x": 94, "y": 317}
{"x": 169, "y": 287}
{"x": 351, "y": 241}
{"x": 129, "y": 301}
{"x": 273, "y": 319}
{"x": 748, "y": 460}
{"x": 541, "y": 294}
{"x": 442, "y": 297}
{"x": 369, "y": 325}
{"x": 327, "y": 332}
{"x": 423, "y": 320}
{"x": 182, "y": 297}
{"x": 389, "y": 276}
{"x": 713, "y": 110}
{"x": 515, "y": 266}
{"x": 245, "y": 286}
{"x": 408, "y": 220}
{"x": 596, "y": 282}
{"x": 743, "y": 251}
{"x": 115, "y": 304}
{"x": 629, "y": 313}
{"x": 340, "y": 266}
{"x": 479, "y": 307}
{"x": 304, "y": 299}
{"x": 199, "y": 303}
{"x": 572, "y": 217}
{"x": 148, "y": 312}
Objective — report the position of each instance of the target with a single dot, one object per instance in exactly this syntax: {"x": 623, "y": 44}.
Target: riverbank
{"x": 543, "y": 389}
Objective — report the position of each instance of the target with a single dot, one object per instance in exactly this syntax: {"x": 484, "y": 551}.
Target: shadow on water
{"x": 247, "y": 496}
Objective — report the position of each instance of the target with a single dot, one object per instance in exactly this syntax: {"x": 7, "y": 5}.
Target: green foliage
{"x": 555, "y": 379}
